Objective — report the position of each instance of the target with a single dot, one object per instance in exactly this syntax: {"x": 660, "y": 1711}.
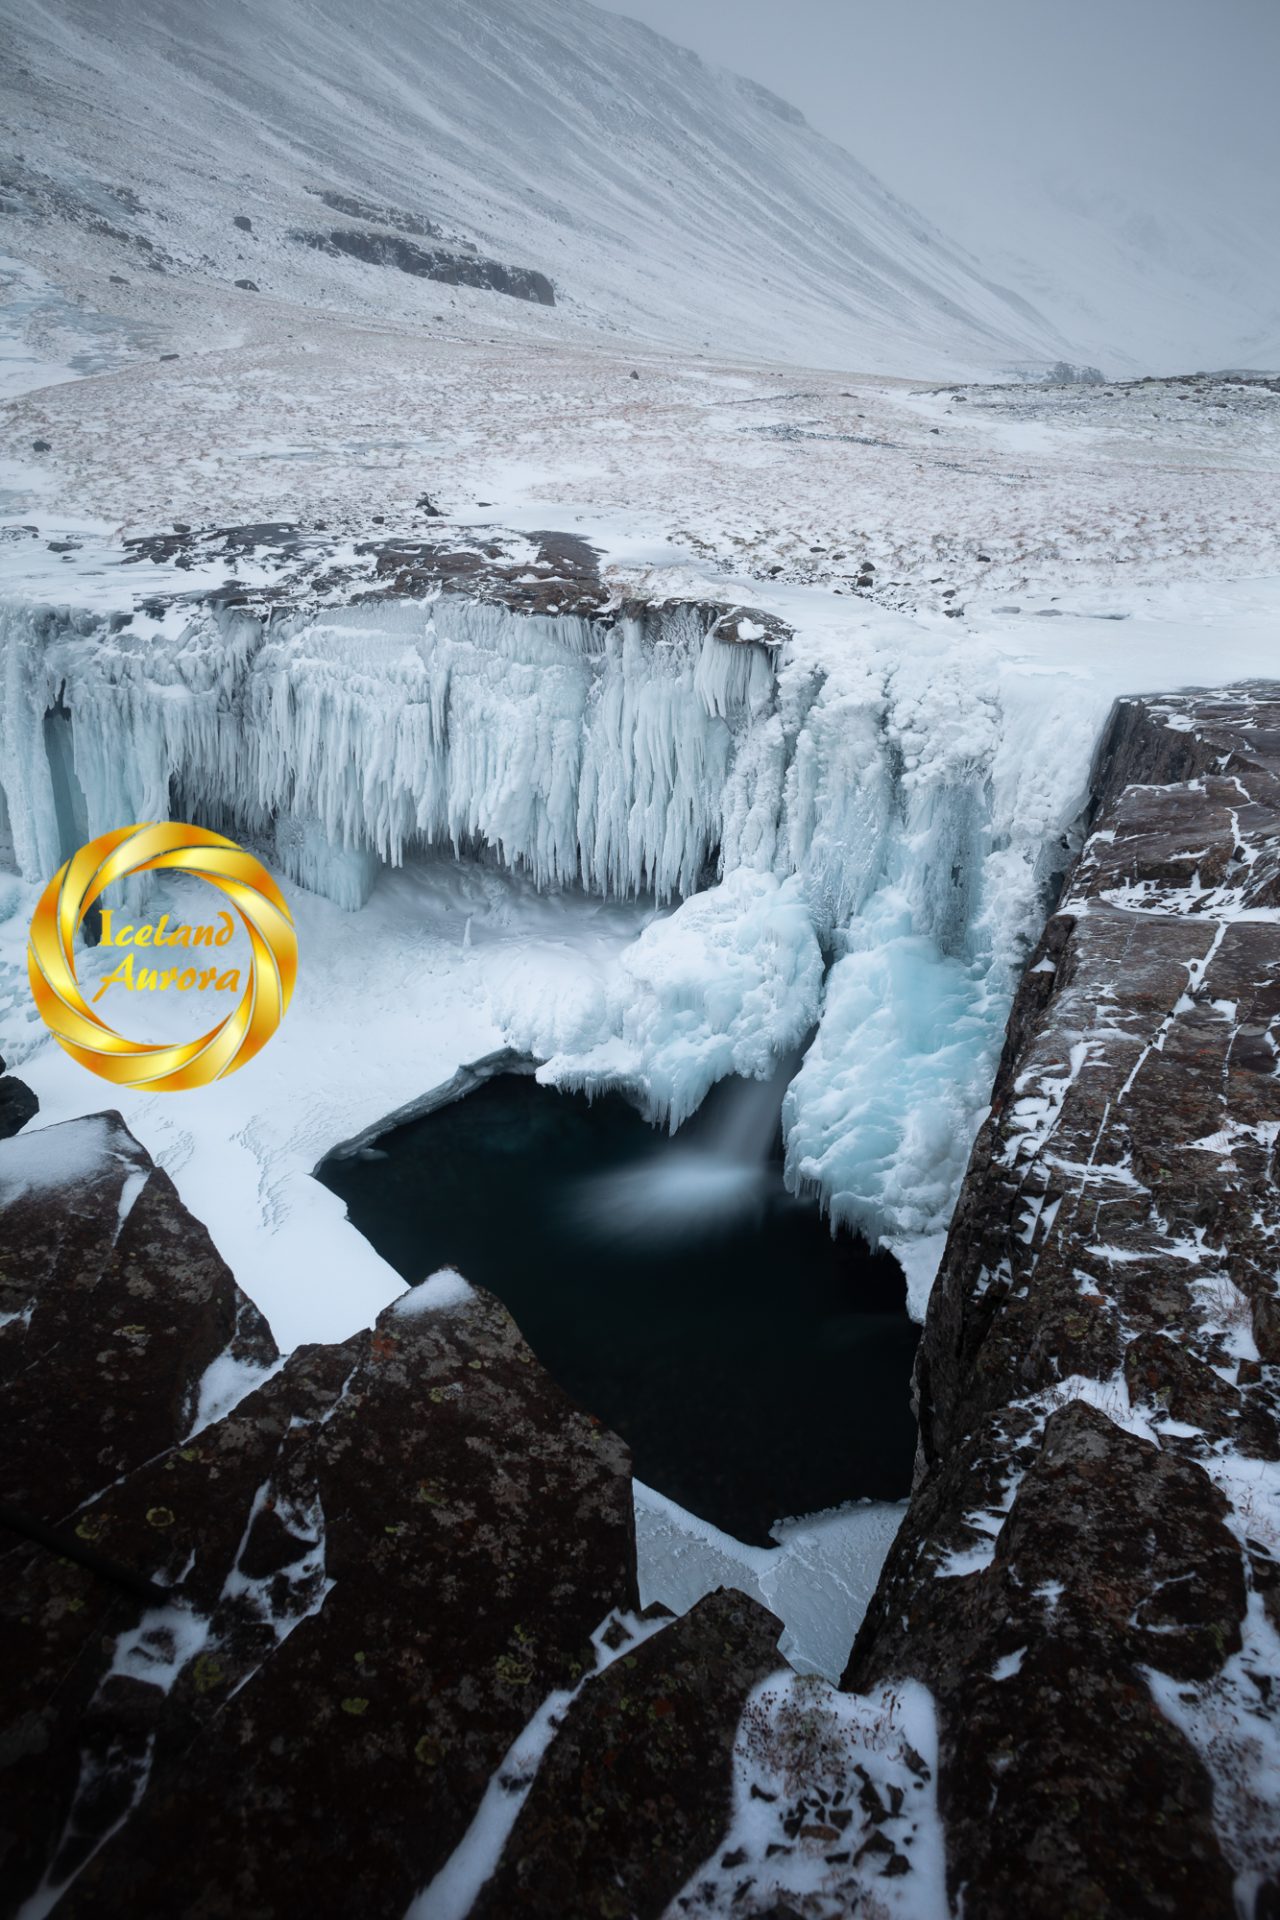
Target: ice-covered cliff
{"x": 834, "y": 832}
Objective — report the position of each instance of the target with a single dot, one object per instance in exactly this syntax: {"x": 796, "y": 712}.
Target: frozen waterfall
{"x": 843, "y": 833}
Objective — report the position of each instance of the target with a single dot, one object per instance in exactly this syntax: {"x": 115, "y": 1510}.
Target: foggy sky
{"x": 962, "y": 106}
{"x": 921, "y": 89}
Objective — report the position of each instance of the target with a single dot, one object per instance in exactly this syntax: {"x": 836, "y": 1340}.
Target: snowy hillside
{"x": 354, "y": 159}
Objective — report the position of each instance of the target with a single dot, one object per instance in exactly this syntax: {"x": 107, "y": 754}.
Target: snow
{"x": 724, "y": 985}
{"x": 439, "y": 1293}
{"x": 666, "y": 200}
{"x": 292, "y": 1594}
{"x": 224, "y": 1383}
{"x": 818, "y": 1580}
{"x": 831, "y": 1758}
{"x": 165, "y": 1640}
{"x": 1231, "y": 1724}
{"x": 47, "y": 1163}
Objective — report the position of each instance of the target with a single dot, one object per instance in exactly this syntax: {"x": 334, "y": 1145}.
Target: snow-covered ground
{"x": 992, "y": 495}
{"x": 649, "y": 867}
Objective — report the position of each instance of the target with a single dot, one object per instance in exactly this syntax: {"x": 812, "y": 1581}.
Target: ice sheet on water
{"x": 818, "y": 1580}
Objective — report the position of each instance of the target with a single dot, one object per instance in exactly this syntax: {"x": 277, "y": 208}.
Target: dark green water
{"x": 756, "y": 1367}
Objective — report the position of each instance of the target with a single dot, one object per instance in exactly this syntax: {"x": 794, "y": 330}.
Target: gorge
{"x": 1072, "y": 1376}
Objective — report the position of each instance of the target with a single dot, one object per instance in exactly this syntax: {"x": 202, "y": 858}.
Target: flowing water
{"x": 756, "y": 1366}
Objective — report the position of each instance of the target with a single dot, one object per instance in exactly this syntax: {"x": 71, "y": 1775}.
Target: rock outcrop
{"x": 269, "y": 1660}
{"x": 17, "y": 1104}
{"x": 451, "y": 267}
{"x": 364, "y": 1578}
{"x": 1087, "y": 1577}
{"x": 635, "y": 1789}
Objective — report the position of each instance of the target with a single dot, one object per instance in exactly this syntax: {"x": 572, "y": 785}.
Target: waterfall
{"x": 844, "y": 832}
{"x": 750, "y": 1116}
{"x": 689, "y": 1189}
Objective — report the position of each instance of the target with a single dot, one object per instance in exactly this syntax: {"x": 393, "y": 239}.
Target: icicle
{"x": 875, "y": 806}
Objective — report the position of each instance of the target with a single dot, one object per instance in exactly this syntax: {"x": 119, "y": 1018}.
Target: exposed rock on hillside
{"x": 452, "y": 269}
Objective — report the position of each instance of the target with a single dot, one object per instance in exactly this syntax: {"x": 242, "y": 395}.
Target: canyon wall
{"x": 1088, "y": 1577}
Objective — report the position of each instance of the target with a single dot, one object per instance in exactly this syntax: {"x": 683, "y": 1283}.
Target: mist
{"x": 1078, "y": 151}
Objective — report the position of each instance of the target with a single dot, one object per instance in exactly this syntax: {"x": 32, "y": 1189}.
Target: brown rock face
{"x": 1099, "y": 1363}
{"x": 119, "y": 1304}
{"x": 17, "y": 1103}
{"x": 635, "y": 1790}
{"x": 380, "y": 1563}
{"x": 116, "y": 1305}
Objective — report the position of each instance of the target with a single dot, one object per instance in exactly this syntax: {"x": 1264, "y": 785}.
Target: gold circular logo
{"x": 168, "y": 847}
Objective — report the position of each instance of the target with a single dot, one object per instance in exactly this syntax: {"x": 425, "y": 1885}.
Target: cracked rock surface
{"x": 1087, "y": 1577}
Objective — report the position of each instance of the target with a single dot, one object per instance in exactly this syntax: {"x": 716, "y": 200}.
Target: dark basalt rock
{"x": 475, "y": 1528}
{"x": 1063, "y": 1789}
{"x": 357, "y": 209}
{"x": 380, "y": 1563}
{"x": 1119, "y": 1225}
{"x": 452, "y": 269}
{"x": 17, "y": 1103}
{"x": 635, "y": 1790}
{"x": 120, "y": 1304}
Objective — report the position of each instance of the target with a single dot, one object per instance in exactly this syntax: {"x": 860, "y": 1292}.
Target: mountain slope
{"x": 661, "y": 198}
